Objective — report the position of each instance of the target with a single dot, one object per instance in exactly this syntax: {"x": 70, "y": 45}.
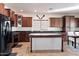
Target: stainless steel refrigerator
{"x": 5, "y": 35}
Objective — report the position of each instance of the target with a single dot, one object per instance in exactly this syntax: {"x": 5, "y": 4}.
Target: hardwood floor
{"x": 23, "y": 49}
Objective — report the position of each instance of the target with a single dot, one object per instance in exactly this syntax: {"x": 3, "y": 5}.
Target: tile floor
{"x": 23, "y": 49}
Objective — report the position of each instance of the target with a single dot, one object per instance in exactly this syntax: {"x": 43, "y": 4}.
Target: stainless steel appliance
{"x": 5, "y": 35}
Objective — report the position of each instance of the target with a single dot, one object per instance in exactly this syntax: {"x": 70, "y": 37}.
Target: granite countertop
{"x": 30, "y": 29}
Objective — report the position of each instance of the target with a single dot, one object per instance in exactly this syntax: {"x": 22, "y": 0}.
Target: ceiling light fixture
{"x": 50, "y": 8}
{"x": 21, "y": 10}
{"x": 35, "y": 10}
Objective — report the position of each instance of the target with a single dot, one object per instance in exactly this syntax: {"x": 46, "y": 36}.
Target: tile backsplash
{"x": 38, "y": 25}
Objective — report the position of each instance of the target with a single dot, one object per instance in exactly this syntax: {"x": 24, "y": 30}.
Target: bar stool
{"x": 69, "y": 38}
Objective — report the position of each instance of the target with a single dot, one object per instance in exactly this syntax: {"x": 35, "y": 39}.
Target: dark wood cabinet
{"x": 7, "y": 12}
{"x": 15, "y": 18}
{"x": 52, "y": 22}
{"x": 23, "y": 37}
{"x": 77, "y": 22}
{"x": 27, "y": 22}
{"x": 24, "y": 22}
{"x": 55, "y": 22}
{"x": 2, "y": 8}
{"x": 58, "y": 22}
{"x": 12, "y": 15}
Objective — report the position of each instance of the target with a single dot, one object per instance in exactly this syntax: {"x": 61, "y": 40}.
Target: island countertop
{"x": 47, "y": 34}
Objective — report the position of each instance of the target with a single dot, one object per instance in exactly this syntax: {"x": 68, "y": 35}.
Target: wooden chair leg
{"x": 67, "y": 41}
{"x": 72, "y": 43}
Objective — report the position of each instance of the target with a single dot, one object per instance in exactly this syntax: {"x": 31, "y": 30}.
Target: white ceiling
{"x": 41, "y": 7}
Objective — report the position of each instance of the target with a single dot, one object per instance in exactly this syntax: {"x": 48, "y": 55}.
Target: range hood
{"x": 40, "y": 24}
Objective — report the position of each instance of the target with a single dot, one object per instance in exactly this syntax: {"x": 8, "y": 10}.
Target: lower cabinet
{"x": 23, "y": 37}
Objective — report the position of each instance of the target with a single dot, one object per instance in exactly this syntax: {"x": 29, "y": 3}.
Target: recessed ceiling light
{"x": 35, "y": 10}
{"x": 50, "y": 8}
{"x": 21, "y": 10}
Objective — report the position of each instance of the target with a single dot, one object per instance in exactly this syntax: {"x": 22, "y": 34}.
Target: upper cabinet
{"x": 1, "y": 8}
{"x": 12, "y": 15}
{"x": 24, "y": 22}
{"x": 55, "y": 22}
{"x": 7, "y": 12}
{"x": 77, "y": 22}
{"x": 52, "y": 22}
{"x": 27, "y": 22}
{"x": 15, "y": 17}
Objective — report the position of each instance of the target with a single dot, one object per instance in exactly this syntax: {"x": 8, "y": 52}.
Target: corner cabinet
{"x": 27, "y": 22}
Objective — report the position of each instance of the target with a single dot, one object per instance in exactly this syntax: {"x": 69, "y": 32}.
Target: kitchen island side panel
{"x": 46, "y": 43}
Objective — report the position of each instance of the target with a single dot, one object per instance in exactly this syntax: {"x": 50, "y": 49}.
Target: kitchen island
{"x": 43, "y": 39}
{"x": 46, "y": 41}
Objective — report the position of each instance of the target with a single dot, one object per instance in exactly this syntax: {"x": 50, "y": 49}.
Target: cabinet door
{"x": 56, "y": 22}
{"x": 72, "y": 22}
{"x": 23, "y": 37}
{"x": 61, "y": 22}
{"x": 52, "y": 22}
{"x": 7, "y": 12}
{"x": 1, "y": 8}
{"x": 15, "y": 17}
{"x": 24, "y": 22}
{"x": 11, "y": 13}
{"x": 77, "y": 22}
{"x": 68, "y": 22}
{"x": 27, "y": 22}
